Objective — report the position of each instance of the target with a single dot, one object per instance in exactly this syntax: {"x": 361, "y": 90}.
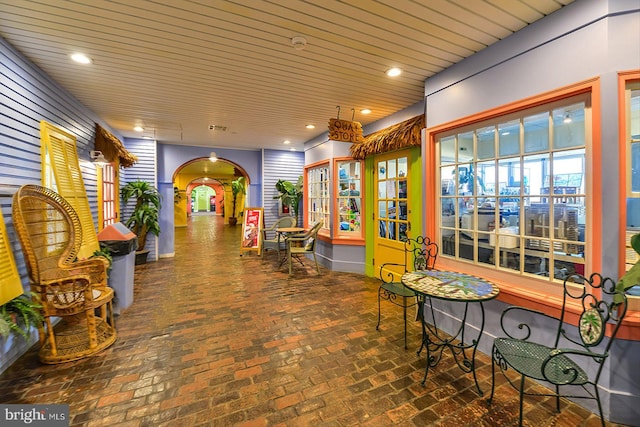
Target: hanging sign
{"x": 251, "y": 229}
{"x": 344, "y": 130}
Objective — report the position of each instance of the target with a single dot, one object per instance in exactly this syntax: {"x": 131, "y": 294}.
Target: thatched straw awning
{"x": 112, "y": 148}
{"x": 401, "y": 135}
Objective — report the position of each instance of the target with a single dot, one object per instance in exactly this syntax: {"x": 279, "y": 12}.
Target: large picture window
{"x": 632, "y": 138}
{"x": 108, "y": 195}
{"x": 349, "y": 198}
{"x": 318, "y": 202}
{"x": 513, "y": 193}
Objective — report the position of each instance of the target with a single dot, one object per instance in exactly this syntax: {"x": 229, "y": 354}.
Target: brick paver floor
{"x": 218, "y": 339}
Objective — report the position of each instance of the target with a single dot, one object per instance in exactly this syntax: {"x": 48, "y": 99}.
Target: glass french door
{"x": 392, "y": 206}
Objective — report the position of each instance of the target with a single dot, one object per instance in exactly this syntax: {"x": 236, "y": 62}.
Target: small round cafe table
{"x": 456, "y": 287}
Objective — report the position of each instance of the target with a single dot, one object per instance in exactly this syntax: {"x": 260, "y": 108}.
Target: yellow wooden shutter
{"x": 10, "y": 284}
{"x": 60, "y": 149}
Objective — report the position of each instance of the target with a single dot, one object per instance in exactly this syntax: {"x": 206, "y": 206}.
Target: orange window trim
{"x": 522, "y": 293}
{"x": 623, "y": 79}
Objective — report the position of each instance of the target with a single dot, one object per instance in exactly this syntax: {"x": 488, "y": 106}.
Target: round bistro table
{"x": 456, "y": 287}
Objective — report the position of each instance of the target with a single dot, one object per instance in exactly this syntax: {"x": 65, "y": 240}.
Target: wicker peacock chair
{"x": 73, "y": 290}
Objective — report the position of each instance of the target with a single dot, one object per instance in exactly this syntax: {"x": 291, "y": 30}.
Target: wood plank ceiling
{"x": 176, "y": 67}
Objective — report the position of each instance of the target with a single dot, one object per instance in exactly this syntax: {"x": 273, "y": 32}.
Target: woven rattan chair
{"x": 561, "y": 360}
{"x": 73, "y": 290}
{"x": 419, "y": 254}
{"x": 303, "y": 244}
{"x": 271, "y": 239}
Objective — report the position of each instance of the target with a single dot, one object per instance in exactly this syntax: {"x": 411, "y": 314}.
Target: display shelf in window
{"x": 349, "y": 199}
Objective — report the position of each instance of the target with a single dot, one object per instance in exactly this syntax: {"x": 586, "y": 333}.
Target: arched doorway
{"x": 203, "y": 199}
{"x": 213, "y": 181}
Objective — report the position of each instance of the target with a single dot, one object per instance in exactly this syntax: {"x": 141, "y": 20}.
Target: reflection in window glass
{"x": 464, "y": 147}
{"x": 512, "y": 210}
{"x": 568, "y": 126}
{"x": 536, "y": 132}
{"x": 402, "y": 167}
{"x": 382, "y": 170}
{"x": 509, "y": 138}
{"x": 486, "y": 177}
{"x": 486, "y": 142}
{"x": 447, "y": 150}
{"x": 391, "y": 169}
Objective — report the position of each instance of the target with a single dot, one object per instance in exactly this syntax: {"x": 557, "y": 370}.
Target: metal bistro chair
{"x": 561, "y": 361}
{"x": 419, "y": 254}
{"x": 272, "y": 239}
{"x": 302, "y": 244}
{"x": 73, "y": 290}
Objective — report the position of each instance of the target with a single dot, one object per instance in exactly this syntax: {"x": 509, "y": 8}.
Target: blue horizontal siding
{"x": 27, "y": 96}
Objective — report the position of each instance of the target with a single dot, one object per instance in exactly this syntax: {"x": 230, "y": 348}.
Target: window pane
{"x": 402, "y": 167}
{"x": 402, "y": 213}
{"x": 509, "y": 138}
{"x": 537, "y": 168}
{"x": 486, "y": 142}
{"x": 382, "y": 190}
{"x": 382, "y": 170}
{"x": 448, "y": 180}
{"x": 635, "y": 167}
{"x": 391, "y": 169}
{"x": 465, "y": 147}
{"x": 448, "y": 150}
{"x": 486, "y": 178}
{"x": 536, "y": 132}
{"x": 465, "y": 179}
{"x": 382, "y": 209}
{"x": 402, "y": 189}
{"x": 568, "y": 126}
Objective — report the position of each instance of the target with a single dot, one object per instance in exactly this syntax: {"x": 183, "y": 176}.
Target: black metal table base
{"x": 436, "y": 342}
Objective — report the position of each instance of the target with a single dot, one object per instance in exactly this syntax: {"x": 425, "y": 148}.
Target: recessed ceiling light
{"x": 81, "y": 58}
{"x": 292, "y": 149}
{"x": 286, "y": 142}
{"x": 146, "y": 137}
{"x": 310, "y": 126}
{"x": 138, "y": 129}
{"x": 393, "y": 72}
{"x": 365, "y": 111}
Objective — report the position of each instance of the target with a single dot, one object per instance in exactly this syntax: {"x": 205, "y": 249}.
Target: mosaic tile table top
{"x": 450, "y": 285}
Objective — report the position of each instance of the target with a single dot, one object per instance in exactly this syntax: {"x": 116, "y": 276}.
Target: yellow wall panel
{"x": 10, "y": 284}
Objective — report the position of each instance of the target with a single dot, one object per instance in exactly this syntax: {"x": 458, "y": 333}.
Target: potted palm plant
{"x": 146, "y": 213}
{"x": 237, "y": 187}
{"x": 290, "y": 194}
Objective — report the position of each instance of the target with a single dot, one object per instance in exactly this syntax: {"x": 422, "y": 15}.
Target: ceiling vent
{"x": 217, "y": 128}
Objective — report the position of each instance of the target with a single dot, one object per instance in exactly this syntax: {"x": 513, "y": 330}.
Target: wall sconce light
{"x": 213, "y": 157}
{"x": 98, "y": 158}
{"x": 567, "y": 118}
